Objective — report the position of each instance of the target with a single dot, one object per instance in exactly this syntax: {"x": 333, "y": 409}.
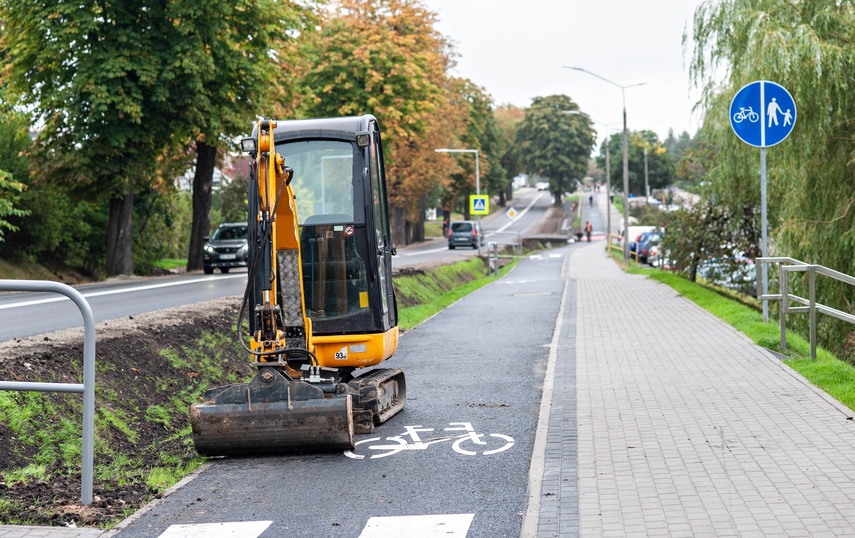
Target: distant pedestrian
{"x": 588, "y": 229}
{"x": 591, "y": 200}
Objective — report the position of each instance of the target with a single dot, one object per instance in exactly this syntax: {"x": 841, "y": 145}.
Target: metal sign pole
{"x": 764, "y": 226}
{"x": 762, "y": 114}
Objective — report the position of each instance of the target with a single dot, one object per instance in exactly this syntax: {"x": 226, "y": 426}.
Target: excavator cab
{"x": 322, "y": 306}
{"x": 340, "y": 193}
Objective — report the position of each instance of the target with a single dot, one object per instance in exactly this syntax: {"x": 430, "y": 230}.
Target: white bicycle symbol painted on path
{"x": 378, "y": 447}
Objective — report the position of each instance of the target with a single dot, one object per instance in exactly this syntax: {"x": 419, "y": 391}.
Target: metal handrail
{"x": 791, "y": 265}
{"x": 515, "y": 240}
{"x": 88, "y": 386}
{"x": 615, "y": 242}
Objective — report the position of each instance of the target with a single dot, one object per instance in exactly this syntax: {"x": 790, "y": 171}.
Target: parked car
{"x": 639, "y": 240}
{"x": 542, "y": 185}
{"x": 226, "y": 248}
{"x": 656, "y": 256}
{"x": 738, "y": 274}
{"x": 464, "y": 233}
{"x": 647, "y": 244}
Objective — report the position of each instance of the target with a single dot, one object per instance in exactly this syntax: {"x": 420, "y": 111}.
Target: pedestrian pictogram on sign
{"x": 762, "y": 113}
{"x": 478, "y": 204}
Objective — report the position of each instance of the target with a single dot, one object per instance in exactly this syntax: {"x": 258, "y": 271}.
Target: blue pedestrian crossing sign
{"x": 478, "y": 204}
{"x": 762, "y": 113}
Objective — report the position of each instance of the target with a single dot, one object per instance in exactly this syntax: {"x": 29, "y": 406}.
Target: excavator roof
{"x": 343, "y": 128}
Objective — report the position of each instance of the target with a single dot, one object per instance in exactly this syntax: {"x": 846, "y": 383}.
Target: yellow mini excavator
{"x": 319, "y": 297}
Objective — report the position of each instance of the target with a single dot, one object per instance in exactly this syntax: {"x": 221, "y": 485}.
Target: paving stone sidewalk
{"x": 686, "y": 428}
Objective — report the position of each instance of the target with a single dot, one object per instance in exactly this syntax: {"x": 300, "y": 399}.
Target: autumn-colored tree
{"x": 556, "y": 145}
{"x": 384, "y": 57}
{"x": 479, "y": 131}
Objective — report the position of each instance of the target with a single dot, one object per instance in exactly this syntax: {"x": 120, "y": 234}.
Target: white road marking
{"x": 56, "y": 298}
{"x": 444, "y": 525}
{"x": 242, "y": 529}
{"x": 486, "y": 235}
{"x": 523, "y": 212}
{"x": 405, "y": 254}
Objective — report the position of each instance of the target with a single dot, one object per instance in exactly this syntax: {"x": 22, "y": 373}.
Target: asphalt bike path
{"x": 456, "y": 460}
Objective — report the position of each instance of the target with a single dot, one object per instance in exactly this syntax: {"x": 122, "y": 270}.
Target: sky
{"x": 515, "y": 50}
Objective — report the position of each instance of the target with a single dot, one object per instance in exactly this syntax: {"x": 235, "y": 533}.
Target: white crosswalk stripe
{"x": 444, "y": 525}
{"x": 241, "y": 529}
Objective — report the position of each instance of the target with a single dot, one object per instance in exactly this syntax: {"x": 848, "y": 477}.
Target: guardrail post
{"x": 812, "y": 311}
{"x": 88, "y": 387}
{"x": 785, "y": 298}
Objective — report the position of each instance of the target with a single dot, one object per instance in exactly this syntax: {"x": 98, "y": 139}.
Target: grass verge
{"x": 829, "y": 373}
{"x": 428, "y": 293}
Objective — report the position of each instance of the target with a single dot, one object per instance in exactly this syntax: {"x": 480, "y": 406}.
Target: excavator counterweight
{"x": 320, "y": 304}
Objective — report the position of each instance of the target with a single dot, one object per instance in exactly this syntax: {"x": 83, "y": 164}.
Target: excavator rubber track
{"x": 272, "y": 414}
{"x": 380, "y": 394}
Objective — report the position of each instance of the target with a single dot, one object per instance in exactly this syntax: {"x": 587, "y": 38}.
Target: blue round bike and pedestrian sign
{"x": 762, "y": 113}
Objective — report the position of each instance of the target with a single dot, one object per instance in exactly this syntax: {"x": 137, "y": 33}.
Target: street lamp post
{"x": 646, "y": 188}
{"x": 477, "y": 177}
{"x": 608, "y": 127}
{"x": 625, "y": 154}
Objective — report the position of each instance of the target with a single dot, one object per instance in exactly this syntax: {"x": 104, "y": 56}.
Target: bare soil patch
{"x": 148, "y": 362}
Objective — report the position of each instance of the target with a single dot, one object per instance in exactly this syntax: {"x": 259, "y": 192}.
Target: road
{"x": 477, "y": 366}
{"x": 28, "y": 314}
{"x": 530, "y": 205}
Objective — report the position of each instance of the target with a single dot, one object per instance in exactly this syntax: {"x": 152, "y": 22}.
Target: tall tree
{"x": 479, "y": 132}
{"x": 243, "y": 67}
{"x": 660, "y": 165}
{"x": 556, "y": 145}
{"x": 103, "y": 79}
{"x": 806, "y": 46}
{"x": 508, "y": 119}
{"x": 386, "y": 58}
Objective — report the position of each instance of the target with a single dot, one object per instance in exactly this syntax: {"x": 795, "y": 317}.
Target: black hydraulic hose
{"x": 265, "y": 239}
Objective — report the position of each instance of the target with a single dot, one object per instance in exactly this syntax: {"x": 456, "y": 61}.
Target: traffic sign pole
{"x": 764, "y": 237}
{"x": 762, "y": 128}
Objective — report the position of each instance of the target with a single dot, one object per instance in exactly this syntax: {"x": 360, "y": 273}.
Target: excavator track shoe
{"x": 383, "y": 393}
{"x": 271, "y": 414}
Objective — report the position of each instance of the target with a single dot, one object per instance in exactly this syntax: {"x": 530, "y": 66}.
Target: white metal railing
{"x": 809, "y": 304}
{"x": 513, "y": 239}
{"x": 88, "y": 386}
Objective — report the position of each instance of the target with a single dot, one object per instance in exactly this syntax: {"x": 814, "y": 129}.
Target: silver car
{"x": 464, "y": 233}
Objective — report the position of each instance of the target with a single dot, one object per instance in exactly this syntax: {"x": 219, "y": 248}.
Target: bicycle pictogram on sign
{"x": 469, "y": 443}
{"x": 746, "y": 113}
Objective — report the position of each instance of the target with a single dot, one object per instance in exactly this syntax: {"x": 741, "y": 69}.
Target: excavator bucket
{"x": 271, "y": 413}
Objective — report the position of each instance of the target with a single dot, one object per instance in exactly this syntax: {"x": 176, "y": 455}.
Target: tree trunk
{"x": 509, "y": 195}
{"x": 419, "y": 225}
{"x": 398, "y": 223}
{"x": 203, "y": 181}
{"x": 120, "y": 259}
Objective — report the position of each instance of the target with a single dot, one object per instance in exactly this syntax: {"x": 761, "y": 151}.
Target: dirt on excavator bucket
{"x": 271, "y": 414}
